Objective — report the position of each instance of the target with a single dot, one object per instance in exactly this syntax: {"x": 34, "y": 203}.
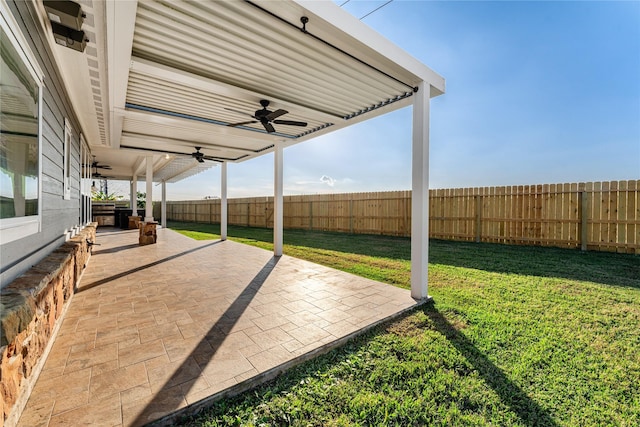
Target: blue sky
{"x": 537, "y": 92}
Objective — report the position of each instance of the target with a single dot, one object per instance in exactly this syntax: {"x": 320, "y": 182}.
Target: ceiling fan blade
{"x": 275, "y": 114}
{"x": 211, "y": 158}
{"x": 289, "y": 123}
{"x": 268, "y": 126}
{"x": 95, "y": 165}
{"x": 242, "y": 123}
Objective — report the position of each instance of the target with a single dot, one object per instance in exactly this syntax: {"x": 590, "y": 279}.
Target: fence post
{"x": 310, "y": 214}
{"x": 478, "y": 218}
{"x": 583, "y": 220}
{"x": 351, "y": 215}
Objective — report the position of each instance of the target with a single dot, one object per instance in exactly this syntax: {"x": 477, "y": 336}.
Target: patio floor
{"x": 167, "y": 327}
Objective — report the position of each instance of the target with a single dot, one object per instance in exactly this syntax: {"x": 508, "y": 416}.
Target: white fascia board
{"x": 204, "y": 84}
{"x": 72, "y": 68}
{"x": 354, "y": 28}
{"x": 121, "y": 20}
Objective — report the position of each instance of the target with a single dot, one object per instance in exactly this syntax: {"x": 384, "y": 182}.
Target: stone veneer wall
{"x": 31, "y": 307}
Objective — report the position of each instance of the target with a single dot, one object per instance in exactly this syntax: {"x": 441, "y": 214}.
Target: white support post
{"x": 223, "y": 201}
{"x": 420, "y": 194}
{"x": 148, "y": 206}
{"x": 134, "y": 195}
{"x": 277, "y": 199}
{"x": 163, "y": 206}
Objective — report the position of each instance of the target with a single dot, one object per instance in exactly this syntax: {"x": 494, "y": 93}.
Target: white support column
{"x": 134, "y": 195}
{"x": 163, "y": 206}
{"x": 148, "y": 207}
{"x": 420, "y": 194}
{"x": 223, "y": 201}
{"x": 277, "y": 199}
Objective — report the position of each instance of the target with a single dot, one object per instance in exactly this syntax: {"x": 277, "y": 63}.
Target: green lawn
{"x": 517, "y": 336}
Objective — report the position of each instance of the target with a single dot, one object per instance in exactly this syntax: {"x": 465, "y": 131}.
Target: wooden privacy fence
{"x": 603, "y": 216}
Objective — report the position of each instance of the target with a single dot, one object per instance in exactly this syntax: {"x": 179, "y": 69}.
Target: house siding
{"x": 58, "y": 216}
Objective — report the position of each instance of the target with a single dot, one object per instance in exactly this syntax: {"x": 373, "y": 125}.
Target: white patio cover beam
{"x": 420, "y": 194}
{"x": 223, "y": 201}
{"x": 121, "y": 21}
{"x": 278, "y": 204}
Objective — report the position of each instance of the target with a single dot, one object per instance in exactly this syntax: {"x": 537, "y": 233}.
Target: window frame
{"x": 85, "y": 180}
{"x": 12, "y": 229}
{"x": 66, "y": 160}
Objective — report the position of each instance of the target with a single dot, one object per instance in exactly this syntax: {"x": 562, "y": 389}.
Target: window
{"x": 20, "y": 134}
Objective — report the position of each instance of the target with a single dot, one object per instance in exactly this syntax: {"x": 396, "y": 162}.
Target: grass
{"x": 520, "y": 336}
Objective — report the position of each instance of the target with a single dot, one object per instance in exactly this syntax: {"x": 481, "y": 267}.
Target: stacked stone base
{"x": 148, "y": 233}
{"x": 31, "y": 307}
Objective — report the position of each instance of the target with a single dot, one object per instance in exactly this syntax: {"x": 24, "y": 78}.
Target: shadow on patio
{"x": 164, "y": 329}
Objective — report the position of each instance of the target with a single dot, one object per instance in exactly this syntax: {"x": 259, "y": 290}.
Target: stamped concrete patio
{"x": 159, "y": 330}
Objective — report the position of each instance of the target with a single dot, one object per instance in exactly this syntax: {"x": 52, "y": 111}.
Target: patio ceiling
{"x": 168, "y": 76}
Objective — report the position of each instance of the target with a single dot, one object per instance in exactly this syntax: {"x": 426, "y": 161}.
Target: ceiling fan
{"x": 95, "y": 165}
{"x": 266, "y": 118}
{"x": 97, "y": 175}
{"x": 200, "y": 157}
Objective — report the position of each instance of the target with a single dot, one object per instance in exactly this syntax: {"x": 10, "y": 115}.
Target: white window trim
{"x": 17, "y": 228}
{"x": 66, "y": 160}
{"x": 85, "y": 177}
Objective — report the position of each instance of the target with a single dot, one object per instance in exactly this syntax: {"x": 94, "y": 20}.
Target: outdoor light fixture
{"x": 67, "y": 37}
{"x": 66, "y": 20}
{"x": 93, "y": 187}
{"x": 65, "y": 12}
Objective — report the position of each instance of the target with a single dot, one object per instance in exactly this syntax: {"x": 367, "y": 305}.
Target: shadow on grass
{"x": 511, "y": 395}
{"x": 600, "y": 267}
{"x": 528, "y": 411}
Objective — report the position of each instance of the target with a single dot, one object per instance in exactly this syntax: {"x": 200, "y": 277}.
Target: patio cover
{"x": 166, "y": 76}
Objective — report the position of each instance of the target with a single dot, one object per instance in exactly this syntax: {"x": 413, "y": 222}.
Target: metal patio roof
{"x": 170, "y": 75}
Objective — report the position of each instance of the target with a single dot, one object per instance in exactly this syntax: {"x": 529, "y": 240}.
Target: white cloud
{"x": 328, "y": 180}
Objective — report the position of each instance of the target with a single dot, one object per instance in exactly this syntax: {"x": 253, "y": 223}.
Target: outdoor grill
{"x": 104, "y": 214}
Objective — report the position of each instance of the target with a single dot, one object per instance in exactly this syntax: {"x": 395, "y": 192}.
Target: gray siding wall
{"x": 58, "y": 215}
